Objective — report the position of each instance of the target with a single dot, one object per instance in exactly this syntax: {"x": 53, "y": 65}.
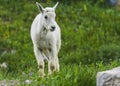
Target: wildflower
{"x": 27, "y": 81}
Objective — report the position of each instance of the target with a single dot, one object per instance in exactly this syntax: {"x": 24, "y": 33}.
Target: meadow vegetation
{"x": 90, "y": 41}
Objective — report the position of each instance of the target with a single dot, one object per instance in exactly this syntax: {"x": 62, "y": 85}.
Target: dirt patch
{"x": 9, "y": 83}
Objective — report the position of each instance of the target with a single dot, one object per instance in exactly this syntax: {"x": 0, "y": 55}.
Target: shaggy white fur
{"x": 46, "y": 38}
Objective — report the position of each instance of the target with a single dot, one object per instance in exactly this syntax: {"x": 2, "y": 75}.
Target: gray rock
{"x": 113, "y": 2}
{"x": 109, "y": 77}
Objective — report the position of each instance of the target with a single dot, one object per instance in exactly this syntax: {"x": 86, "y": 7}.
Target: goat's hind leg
{"x": 40, "y": 61}
{"x": 57, "y": 64}
{"x": 53, "y": 63}
{"x": 51, "y": 66}
{"x": 48, "y": 54}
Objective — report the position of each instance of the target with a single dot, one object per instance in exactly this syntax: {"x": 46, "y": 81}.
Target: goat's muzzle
{"x": 52, "y": 28}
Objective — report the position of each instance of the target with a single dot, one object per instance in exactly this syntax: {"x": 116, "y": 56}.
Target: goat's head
{"x": 48, "y": 16}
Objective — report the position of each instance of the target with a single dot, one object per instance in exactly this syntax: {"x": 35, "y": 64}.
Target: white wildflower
{"x": 27, "y": 81}
{"x": 3, "y": 65}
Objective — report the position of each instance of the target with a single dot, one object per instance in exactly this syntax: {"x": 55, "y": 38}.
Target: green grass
{"x": 90, "y": 42}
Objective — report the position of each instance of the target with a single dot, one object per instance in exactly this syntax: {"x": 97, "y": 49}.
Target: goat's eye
{"x": 46, "y": 17}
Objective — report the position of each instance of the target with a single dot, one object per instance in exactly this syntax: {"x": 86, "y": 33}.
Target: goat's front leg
{"x": 53, "y": 63}
{"x": 40, "y": 61}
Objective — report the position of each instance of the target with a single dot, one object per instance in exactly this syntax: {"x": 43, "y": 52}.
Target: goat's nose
{"x": 52, "y": 28}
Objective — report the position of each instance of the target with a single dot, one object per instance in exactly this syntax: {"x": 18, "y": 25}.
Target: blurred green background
{"x": 90, "y": 41}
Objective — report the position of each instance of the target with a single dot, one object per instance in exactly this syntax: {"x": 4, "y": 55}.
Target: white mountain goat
{"x": 46, "y": 38}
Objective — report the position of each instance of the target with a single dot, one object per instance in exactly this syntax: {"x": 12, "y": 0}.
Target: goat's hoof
{"x": 57, "y": 69}
{"x": 41, "y": 74}
{"x": 49, "y": 73}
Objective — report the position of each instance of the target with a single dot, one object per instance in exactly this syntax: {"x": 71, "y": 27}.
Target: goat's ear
{"x": 55, "y": 5}
{"x": 40, "y": 7}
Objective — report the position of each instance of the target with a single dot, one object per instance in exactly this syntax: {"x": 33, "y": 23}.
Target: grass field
{"x": 90, "y": 42}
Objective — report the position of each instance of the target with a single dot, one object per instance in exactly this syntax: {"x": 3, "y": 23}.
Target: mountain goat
{"x": 46, "y": 38}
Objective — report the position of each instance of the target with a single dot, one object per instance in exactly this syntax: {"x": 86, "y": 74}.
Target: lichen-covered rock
{"x": 109, "y": 77}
